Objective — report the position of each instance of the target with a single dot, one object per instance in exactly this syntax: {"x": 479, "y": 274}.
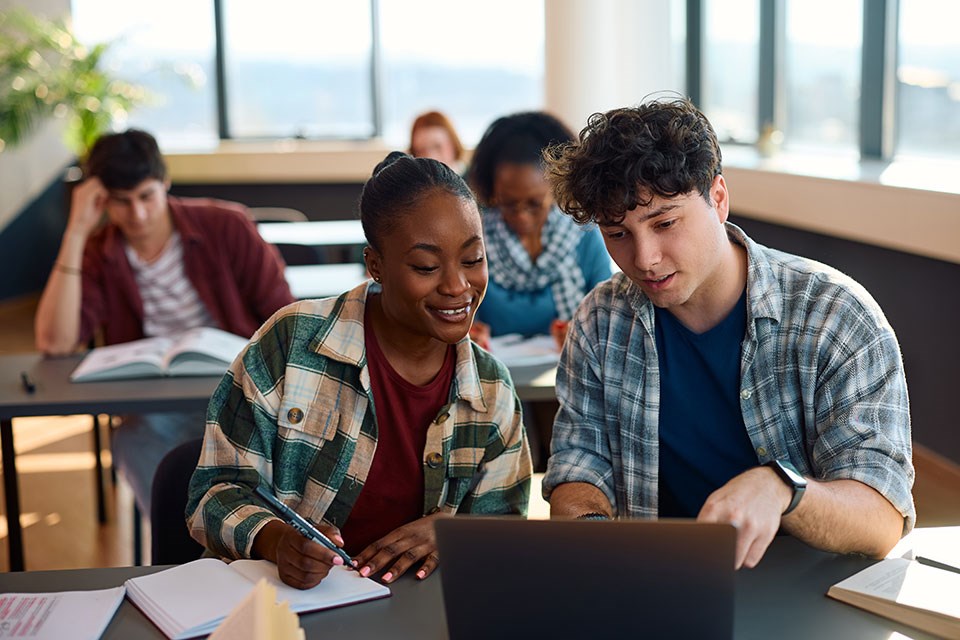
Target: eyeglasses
{"x": 533, "y": 205}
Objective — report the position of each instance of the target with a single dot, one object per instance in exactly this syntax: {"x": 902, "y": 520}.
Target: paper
{"x": 54, "y": 616}
{"x": 516, "y": 351}
{"x": 260, "y": 617}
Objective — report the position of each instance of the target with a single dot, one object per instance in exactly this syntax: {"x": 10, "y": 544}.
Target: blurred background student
{"x": 541, "y": 263}
{"x": 434, "y": 136}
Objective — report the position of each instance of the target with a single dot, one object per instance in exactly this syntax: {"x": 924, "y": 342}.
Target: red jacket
{"x": 238, "y": 276}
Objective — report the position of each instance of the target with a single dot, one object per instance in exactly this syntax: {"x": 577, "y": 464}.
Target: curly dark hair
{"x": 625, "y": 157}
{"x": 515, "y": 139}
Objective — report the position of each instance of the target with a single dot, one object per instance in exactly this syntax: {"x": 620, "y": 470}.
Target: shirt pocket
{"x": 317, "y": 420}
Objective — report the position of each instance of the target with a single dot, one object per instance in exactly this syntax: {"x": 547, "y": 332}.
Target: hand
{"x": 87, "y": 204}
{"x": 558, "y": 329}
{"x": 480, "y": 333}
{"x": 301, "y": 562}
{"x": 400, "y": 548}
{"x": 752, "y": 502}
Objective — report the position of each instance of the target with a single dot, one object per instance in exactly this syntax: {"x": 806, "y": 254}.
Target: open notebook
{"x": 192, "y": 599}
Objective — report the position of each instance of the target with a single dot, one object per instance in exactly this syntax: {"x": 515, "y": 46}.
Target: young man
{"x": 160, "y": 265}
{"x": 716, "y": 378}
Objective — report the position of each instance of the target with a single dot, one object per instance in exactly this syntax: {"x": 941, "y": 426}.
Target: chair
{"x": 276, "y": 214}
{"x": 292, "y": 254}
{"x": 170, "y": 541}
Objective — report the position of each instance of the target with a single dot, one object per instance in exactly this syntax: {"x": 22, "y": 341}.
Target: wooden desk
{"x": 782, "y": 598}
{"x": 314, "y": 234}
{"x": 56, "y": 395}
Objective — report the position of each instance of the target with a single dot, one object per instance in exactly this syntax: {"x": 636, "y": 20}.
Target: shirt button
{"x": 442, "y": 418}
{"x": 745, "y": 394}
{"x": 761, "y": 451}
{"x": 295, "y": 415}
{"x": 434, "y": 460}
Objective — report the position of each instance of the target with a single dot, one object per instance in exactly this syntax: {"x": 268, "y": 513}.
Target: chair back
{"x": 170, "y": 541}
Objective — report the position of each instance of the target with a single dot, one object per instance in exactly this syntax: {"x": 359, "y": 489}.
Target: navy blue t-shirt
{"x": 703, "y": 441}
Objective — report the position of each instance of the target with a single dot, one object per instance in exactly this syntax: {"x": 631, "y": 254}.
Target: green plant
{"x": 45, "y": 71}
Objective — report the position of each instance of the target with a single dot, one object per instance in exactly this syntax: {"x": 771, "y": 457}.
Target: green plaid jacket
{"x": 295, "y": 412}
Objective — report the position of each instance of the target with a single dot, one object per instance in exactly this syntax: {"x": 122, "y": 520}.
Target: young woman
{"x": 541, "y": 263}
{"x": 432, "y": 135}
{"x": 371, "y": 414}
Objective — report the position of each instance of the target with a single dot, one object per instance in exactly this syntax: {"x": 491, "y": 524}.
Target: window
{"x": 306, "y": 68}
{"x": 729, "y": 68}
{"x": 171, "y": 53}
{"x": 821, "y": 73}
{"x": 928, "y": 78}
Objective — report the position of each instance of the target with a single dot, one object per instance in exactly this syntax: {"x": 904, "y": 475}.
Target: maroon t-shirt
{"x": 392, "y": 496}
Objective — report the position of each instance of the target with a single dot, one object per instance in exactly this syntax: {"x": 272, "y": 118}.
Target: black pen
{"x": 301, "y": 524}
{"x": 930, "y": 562}
{"x": 28, "y": 385}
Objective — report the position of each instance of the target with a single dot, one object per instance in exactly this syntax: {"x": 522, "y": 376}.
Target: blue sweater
{"x": 531, "y": 312}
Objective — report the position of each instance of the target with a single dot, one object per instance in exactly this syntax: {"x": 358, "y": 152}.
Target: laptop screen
{"x": 509, "y": 577}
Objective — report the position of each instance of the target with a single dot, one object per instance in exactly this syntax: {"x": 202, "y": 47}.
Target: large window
{"x": 328, "y": 69}
{"x": 836, "y": 76}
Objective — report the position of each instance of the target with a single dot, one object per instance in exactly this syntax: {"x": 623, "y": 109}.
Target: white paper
{"x": 79, "y": 615}
{"x": 516, "y": 351}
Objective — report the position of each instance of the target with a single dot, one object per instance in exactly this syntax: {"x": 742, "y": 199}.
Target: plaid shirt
{"x": 821, "y": 385}
{"x": 295, "y": 411}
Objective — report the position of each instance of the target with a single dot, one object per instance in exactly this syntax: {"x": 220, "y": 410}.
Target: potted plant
{"x": 45, "y": 71}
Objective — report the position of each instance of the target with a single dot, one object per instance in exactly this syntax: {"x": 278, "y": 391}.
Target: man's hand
{"x": 752, "y": 502}
{"x": 301, "y": 562}
{"x": 87, "y": 204}
{"x": 400, "y": 548}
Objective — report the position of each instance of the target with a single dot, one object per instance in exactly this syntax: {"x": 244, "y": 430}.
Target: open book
{"x": 192, "y": 599}
{"x": 203, "y": 351}
{"x": 907, "y": 591}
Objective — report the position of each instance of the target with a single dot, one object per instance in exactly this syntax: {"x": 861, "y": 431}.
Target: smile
{"x": 656, "y": 284}
{"x": 453, "y": 315}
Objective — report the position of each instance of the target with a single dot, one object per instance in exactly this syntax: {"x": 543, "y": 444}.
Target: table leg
{"x": 11, "y": 492}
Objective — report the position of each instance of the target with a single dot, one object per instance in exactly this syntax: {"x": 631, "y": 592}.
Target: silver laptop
{"x": 514, "y": 578}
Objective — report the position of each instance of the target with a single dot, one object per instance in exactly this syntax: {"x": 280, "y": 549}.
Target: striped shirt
{"x": 171, "y": 305}
{"x": 295, "y": 412}
{"x": 821, "y": 385}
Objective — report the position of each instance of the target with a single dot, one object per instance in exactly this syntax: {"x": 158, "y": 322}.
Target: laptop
{"x": 515, "y": 578}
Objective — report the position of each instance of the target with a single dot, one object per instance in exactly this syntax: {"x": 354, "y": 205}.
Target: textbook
{"x": 204, "y": 351}
{"x": 192, "y": 599}
{"x": 907, "y": 591}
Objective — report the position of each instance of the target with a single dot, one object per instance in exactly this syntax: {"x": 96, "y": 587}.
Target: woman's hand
{"x": 480, "y": 333}
{"x": 301, "y": 562}
{"x": 400, "y": 549}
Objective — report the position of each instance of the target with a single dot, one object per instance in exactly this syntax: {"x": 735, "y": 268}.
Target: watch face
{"x": 791, "y": 473}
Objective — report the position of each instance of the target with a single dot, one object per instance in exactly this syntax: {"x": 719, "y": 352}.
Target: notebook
{"x": 505, "y": 577}
{"x": 192, "y": 599}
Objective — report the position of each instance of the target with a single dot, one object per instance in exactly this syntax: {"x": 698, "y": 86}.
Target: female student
{"x": 432, "y": 135}
{"x": 541, "y": 263}
{"x": 371, "y": 414}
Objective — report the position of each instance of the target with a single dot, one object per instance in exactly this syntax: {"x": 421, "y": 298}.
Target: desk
{"x": 314, "y": 234}
{"x": 782, "y": 598}
{"x": 56, "y": 395}
{"x": 323, "y": 280}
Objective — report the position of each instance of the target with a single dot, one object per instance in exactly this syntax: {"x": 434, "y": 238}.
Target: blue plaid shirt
{"x": 821, "y": 385}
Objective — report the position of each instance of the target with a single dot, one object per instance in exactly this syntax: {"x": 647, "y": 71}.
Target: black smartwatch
{"x": 789, "y": 474}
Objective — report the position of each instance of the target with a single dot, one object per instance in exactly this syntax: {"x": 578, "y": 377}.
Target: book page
{"x": 341, "y": 586}
{"x": 260, "y": 617}
{"x": 204, "y": 350}
{"x": 908, "y": 583}
{"x": 67, "y": 614}
{"x": 130, "y": 359}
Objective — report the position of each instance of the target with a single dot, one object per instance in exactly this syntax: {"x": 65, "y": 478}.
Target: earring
{"x": 376, "y": 278}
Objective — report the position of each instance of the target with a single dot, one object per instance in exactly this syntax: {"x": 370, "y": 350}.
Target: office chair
{"x": 170, "y": 541}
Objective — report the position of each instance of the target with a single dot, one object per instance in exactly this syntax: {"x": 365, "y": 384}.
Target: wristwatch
{"x": 789, "y": 474}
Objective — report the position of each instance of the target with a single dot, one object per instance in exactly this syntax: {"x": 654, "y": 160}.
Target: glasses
{"x": 533, "y": 205}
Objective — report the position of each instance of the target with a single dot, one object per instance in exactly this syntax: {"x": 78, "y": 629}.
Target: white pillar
{"x": 602, "y": 54}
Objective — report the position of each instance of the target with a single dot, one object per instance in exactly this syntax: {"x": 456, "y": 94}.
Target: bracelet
{"x": 593, "y": 515}
{"x": 73, "y": 271}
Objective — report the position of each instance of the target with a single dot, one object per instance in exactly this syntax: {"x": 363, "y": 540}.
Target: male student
{"x": 158, "y": 266}
{"x": 716, "y": 378}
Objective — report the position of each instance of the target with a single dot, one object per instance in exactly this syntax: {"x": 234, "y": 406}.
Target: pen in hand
{"x": 28, "y": 384}
{"x": 300, "y": 523}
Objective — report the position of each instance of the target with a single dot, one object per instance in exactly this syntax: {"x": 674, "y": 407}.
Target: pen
{"x": 300, "y": 523}
{"x": 28, "y": 385}
{"x": 939, "y": 565}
